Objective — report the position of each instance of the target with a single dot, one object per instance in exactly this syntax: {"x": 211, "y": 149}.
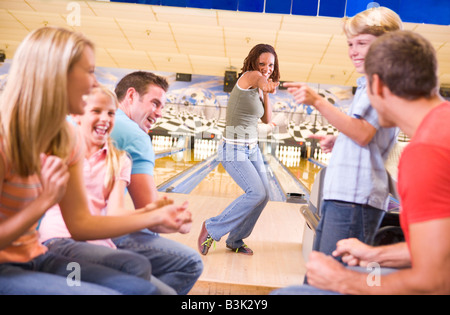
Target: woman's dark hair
{"x": 251, "y": 62}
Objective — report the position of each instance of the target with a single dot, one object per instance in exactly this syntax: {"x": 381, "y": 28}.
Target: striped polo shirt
{"x": 16, "y": 193}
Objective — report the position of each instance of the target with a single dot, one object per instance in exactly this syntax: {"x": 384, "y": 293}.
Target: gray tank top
{"x": 243, "y": 112}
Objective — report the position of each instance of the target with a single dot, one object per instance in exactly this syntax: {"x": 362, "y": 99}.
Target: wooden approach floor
{"x": 276, "y": 241}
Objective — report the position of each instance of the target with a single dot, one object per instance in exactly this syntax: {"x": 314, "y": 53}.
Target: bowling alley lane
{"x": 213, "y": 180}
{"x": 304, "y": 170}
{"x": 225, "y": 271}
{"x": 216, "y": 182}
{"x": 170, "y": 165}
{"x": 214, "y": 190}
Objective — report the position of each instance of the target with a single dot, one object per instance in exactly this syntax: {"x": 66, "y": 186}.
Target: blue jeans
{"x": 54, "y": 274}
{"x": 246, "y": 166}
{"x": 121, "y": 260}
{"x": 341, "y": 220}
{"x": 173, "y": 263}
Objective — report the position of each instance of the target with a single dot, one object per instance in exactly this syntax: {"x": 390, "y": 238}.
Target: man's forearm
{"x": 142, "y": 190}
{"x": 393, "y": 256}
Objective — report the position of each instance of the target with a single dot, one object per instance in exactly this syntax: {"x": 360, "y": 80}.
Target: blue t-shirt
{"x": 130, "y": 137}
{"x": 357, "y": 174}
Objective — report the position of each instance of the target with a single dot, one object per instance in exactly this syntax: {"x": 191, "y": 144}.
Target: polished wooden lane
{"x": 218, "y": 183}
{"x": 276, "y": 241}
{"x": 304, "y": 170}
{"x": 171, "y": 165}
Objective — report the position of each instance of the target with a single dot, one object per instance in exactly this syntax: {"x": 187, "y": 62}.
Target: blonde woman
{"x": 41, "y": 159}
{"x": 356, "y": 185}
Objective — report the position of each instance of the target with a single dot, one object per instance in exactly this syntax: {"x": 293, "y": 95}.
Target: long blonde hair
{"x": 35, "y": 102}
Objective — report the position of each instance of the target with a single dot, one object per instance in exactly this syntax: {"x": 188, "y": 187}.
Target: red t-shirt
{"x": 424, "y": 171}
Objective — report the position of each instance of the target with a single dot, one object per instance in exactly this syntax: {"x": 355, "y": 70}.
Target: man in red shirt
{"x": 401, "y": 71}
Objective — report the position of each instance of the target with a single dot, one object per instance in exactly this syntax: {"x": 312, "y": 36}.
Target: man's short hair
{"x": 140, "y": 81}
{"x": 405, "y": 62}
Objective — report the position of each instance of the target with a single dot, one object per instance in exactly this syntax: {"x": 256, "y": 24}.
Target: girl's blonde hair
{"x": 374, "y": 21}
{"x": 35, "y": 101}
{"x": 114, "y": 156}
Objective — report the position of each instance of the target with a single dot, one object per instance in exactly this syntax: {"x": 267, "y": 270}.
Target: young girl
{"x": 356, "y": 185}
{"x": 41, "y": 160}
{"x": 106, "y": 175}
{"x": 240, "y": 154}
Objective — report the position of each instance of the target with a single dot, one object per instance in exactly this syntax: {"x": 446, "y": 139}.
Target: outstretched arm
{"x": 84, "y": 226}
{"x": 254, "y": 79}
{"x": 359, "y": 130}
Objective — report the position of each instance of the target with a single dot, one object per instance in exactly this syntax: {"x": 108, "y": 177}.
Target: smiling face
{"x": 98, "y": 120}
{"x": 81, "y": 79}
{"x": 147, "y": 108}
{"x": 266, "y": 64}
{"x": 357, "y": 49}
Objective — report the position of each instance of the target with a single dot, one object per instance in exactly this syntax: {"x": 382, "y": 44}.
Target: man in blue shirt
{"x": 130, "y": 137}
{"x": 142, "y": 96}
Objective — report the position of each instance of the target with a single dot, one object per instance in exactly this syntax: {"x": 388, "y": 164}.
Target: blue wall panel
{"x": 356, "y": 6}
{"x": 174, "y": 3}
{"x": 251, "y": 5}
{"x": 278, "y": 6}
{"x": 153, "y": 2}
{"x": 202, "y": 4}
{"x": 416, "y": 11}
{"x": 432, "y": 12}
{"x": 333, "y": 8}
{"x": 305, "y": 7}
{"x": 225, "y": 4}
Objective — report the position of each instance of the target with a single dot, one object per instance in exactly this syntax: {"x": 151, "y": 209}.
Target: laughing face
{"x": 266, "y": 64}
{"x": 98, "y": 120}
{"x": 146, "y": 109}
{"x": 357, "y": 49}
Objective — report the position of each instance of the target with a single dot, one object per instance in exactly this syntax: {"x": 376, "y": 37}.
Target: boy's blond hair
{"x": 374, "y": 21}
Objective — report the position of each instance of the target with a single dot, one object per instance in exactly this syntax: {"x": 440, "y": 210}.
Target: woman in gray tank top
{"x": 240, "y": 154}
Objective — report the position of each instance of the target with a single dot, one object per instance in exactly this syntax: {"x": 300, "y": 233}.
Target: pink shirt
{"x": 94, "y": 169}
